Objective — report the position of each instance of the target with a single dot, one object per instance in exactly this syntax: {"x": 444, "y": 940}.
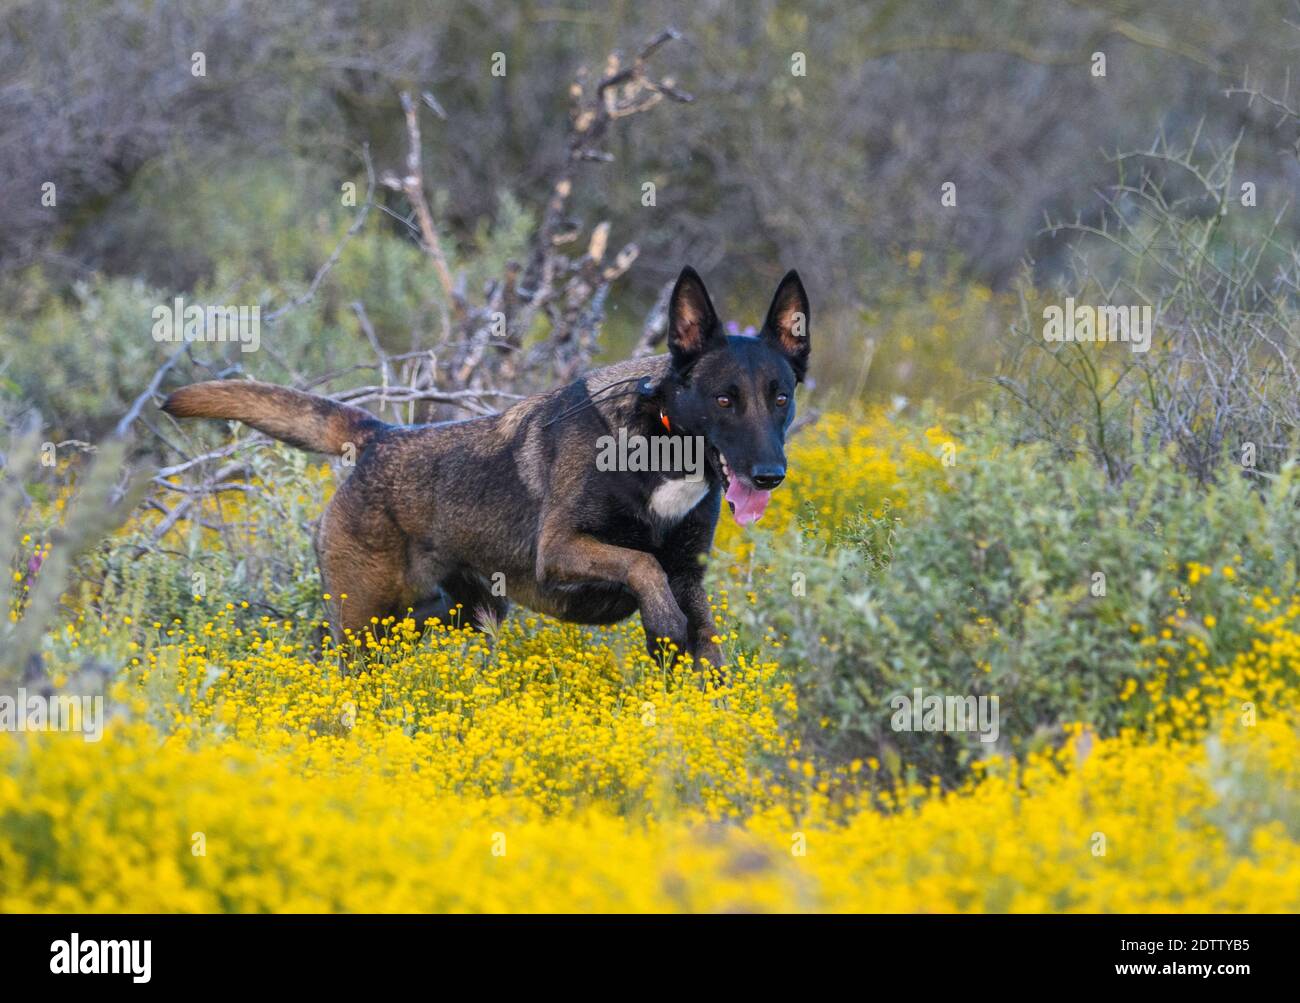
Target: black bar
{"x": 337, "y": 952}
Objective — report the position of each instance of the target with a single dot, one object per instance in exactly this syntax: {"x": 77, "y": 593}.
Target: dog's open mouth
{"x": 747, "y": 503}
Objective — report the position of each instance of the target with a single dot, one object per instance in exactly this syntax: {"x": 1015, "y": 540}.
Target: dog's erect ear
{"x": 692, "y": 323}
{"x": 786, "y": 326}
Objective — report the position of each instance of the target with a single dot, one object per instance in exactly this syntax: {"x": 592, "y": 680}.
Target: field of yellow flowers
{"x": 555, "y": 768}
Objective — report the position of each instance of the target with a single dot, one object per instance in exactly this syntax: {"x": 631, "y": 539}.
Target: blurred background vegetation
{"x": 227, "y": 186}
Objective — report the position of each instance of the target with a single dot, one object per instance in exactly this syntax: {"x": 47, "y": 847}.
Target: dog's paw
{"x": 666, "y": 631}
{"x": 708, "y": 651}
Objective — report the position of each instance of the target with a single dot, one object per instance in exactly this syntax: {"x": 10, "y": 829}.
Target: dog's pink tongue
{"x": 747, "y": 504}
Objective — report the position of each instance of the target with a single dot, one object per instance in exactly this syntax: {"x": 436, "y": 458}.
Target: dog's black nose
{"x": 765, "y": 478}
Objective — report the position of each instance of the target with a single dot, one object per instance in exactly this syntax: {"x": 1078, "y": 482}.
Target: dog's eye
{"x": 782, "y": 400}
{"x": 724, "y": 400}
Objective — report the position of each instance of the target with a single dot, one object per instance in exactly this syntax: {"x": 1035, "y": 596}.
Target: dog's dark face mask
{"x": 736, "y": 391}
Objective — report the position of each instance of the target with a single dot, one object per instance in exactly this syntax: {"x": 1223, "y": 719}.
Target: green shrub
{"x": 255, "y": 550}
{"x": 989, "y": 589}
{"x": 79, "y": 360}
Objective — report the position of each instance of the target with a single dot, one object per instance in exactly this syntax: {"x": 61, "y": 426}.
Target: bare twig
{"x": 147, "y": 394}
{"x": 358, "y": 222}
{"x": 412, "y": 186}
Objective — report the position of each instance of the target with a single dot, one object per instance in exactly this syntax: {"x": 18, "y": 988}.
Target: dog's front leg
{"x": 567, "y": 557}
{"x": 701, "y": 627}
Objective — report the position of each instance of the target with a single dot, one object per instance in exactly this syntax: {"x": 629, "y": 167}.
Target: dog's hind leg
{"x": 463, "y": 599}
{"x": 362, "y": 562}
{"x": 356, "y": 607}
{"x": 361, "y": 586}
{"x": 439, "y": 606}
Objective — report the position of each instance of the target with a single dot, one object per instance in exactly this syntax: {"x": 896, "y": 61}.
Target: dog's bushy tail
{"x": 304, "y": 420}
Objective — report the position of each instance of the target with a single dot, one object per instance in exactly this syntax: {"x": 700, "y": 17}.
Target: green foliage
{"x": 33, "y": 574}
{"x": 252, "y": 549}
{"x": 81, "y": 358}
{"x": 988, "y": 589}
{"x": 228, "y": 223}
{"x": 927, "y": 335}
{"x": 79, "y": 361}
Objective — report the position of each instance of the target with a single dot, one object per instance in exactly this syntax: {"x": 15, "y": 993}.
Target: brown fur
{"x": 303, "y": 420}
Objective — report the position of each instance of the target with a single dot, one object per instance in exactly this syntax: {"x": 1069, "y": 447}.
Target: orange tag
{"x": 664, "y": 418}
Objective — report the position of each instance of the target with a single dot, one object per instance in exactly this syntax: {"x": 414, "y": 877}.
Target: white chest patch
{"x": 672, "y": 499}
